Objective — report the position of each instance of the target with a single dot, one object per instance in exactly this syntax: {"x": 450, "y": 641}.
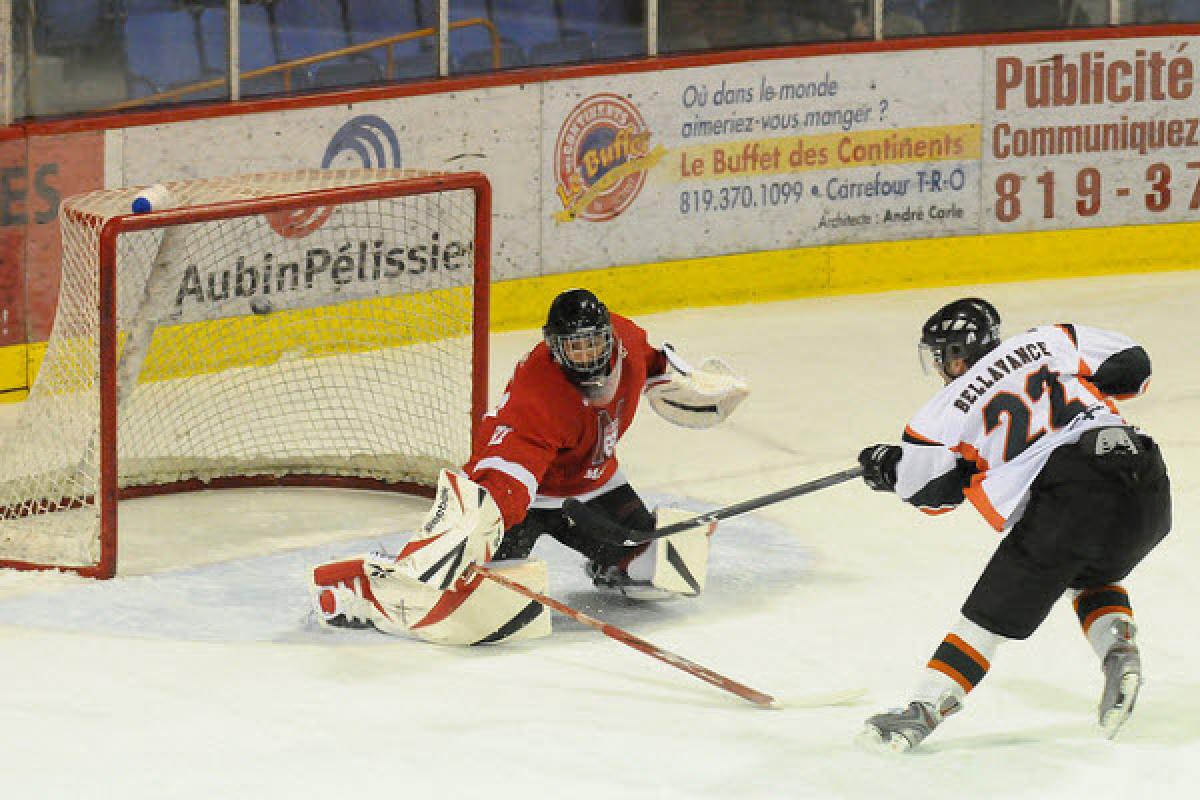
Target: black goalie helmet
{"x": 579, "y": 333}
{"x": 968, "y": 329}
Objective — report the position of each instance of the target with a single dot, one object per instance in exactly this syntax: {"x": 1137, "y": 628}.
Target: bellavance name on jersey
{"x": 998, "y": 370}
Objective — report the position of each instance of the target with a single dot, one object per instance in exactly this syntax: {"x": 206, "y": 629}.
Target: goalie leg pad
{"x": 343, "y": 597}
{"x": 480, "y": 611}
{"x": 463, "y": 527}
{"x": 371, "y": 591}
{"x": 675, "y": 564}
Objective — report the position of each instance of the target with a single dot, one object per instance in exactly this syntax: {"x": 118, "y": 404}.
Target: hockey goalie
{"x": 552, "y": 436}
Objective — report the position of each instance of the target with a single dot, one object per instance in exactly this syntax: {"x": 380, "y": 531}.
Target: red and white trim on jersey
{"x": 513, "y": 470}
{"x": 551, "y": 501}
{"x": 547, "y": 440}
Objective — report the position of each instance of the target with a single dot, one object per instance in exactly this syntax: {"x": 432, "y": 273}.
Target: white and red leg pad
{"x": 370, "y": 591}
{"x": 343, "y": 598}
{"x": 676, "y": 564}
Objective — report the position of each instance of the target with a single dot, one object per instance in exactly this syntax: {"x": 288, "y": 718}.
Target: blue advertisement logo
{"x": 367, "y": 139}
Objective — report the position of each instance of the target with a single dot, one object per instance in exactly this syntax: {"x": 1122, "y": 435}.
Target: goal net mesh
{"x": 321, "y": 340}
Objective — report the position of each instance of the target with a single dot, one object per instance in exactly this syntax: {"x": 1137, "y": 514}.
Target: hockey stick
{"x": 625, "y": 637}
{"x": 596, "y": 523}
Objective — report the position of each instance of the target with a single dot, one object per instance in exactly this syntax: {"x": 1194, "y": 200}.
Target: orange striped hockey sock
{"x": 1098, "y": 608}
{"x": 959, "y": 663}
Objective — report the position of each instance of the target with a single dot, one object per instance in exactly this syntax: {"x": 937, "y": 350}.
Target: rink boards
{"x": 714, "y": 179}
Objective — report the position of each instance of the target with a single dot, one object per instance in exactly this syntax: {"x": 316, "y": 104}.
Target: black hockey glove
{"x": 879, "y": 466}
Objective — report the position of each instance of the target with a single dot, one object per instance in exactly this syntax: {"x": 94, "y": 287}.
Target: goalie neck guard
{"x": 579, "y": 333}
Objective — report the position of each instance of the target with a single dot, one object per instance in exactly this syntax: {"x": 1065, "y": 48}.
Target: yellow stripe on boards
{"x": 728, "y": 280}
{"x": 214, "y": 346}
{"x": 857, "y": 268}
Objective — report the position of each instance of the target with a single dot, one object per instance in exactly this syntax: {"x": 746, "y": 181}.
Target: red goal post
{"x": 313, "y": 328}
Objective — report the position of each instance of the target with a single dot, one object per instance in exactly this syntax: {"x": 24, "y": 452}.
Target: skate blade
{"x": 1112, "y": 720}
{"x": 640, "y": 590}
{"x": 874, "y": 740}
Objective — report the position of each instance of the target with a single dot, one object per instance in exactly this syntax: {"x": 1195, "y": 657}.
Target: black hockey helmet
{"x": 579, "y": 333}
{"x": 968, "y": 328}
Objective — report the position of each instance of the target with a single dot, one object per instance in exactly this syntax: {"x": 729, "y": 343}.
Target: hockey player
{"x": 552, "y": 436}
{"x": 1026, "y": 429}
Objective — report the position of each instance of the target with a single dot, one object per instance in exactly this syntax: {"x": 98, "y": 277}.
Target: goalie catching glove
{"x": 696, "y": 398}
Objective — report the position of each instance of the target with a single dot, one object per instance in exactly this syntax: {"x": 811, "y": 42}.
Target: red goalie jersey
{"x": 546, "y": 440}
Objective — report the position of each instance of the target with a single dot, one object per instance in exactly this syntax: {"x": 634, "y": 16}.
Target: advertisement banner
{"x": 760, "y": 156}
{"x": 638, "y": 168}
{"x": 13, "y": 220}
{"x": 35, "y": 176}
{"x": 1091, "y": 134}
{"x": 493, "y": 131}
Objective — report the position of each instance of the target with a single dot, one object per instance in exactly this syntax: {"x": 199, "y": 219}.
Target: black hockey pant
{"x": 1090, "y": 520}
{"x": 622, "y": 505}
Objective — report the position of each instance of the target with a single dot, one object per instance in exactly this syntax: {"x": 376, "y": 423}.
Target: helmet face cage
{"x": 585, "y": 355}
{"x": 579, "y": 334}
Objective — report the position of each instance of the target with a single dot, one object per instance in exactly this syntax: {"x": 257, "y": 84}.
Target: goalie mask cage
{"x": 316, "y": 328}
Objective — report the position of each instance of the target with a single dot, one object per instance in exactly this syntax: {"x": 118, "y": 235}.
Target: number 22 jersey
{"x": 988, "y": 433}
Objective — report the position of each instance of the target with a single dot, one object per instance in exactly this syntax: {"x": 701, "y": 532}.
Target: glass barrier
{"x": 986, "y": 16}
{"x": 86, "y": 55}
{"x": 400, "y": 38}
{"x": 1156, "y": 12}
{"x": 543, "y": 32}
{"x": 695, "y": 25}
{"x": 68, "y": 56}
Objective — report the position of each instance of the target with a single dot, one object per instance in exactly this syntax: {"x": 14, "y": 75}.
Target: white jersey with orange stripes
{"x": 992, "y": 429}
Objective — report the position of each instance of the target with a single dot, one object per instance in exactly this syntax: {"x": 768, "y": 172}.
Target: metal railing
{"x": 288, "y": 68}
{"x": 874, "y": 20}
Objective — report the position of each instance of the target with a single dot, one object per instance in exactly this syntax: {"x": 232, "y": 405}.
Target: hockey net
{"x": 323, "y": 327}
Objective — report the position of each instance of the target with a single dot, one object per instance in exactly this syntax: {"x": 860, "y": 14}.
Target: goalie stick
{"x": 625, "y": 637}
{"x": 599, "y": 525}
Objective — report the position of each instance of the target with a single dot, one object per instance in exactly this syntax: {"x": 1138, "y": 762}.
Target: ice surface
{"x": 198, "y": 674}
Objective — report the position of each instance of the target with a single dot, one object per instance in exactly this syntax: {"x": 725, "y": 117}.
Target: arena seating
{"x": 171, "y": 43}
{"x": 163, "y": 52}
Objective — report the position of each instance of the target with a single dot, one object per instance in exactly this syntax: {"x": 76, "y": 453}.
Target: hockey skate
{"x": 615, "y": 578}
{"x": 1122, "y": 668}
{"x": 900, "y": 730}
